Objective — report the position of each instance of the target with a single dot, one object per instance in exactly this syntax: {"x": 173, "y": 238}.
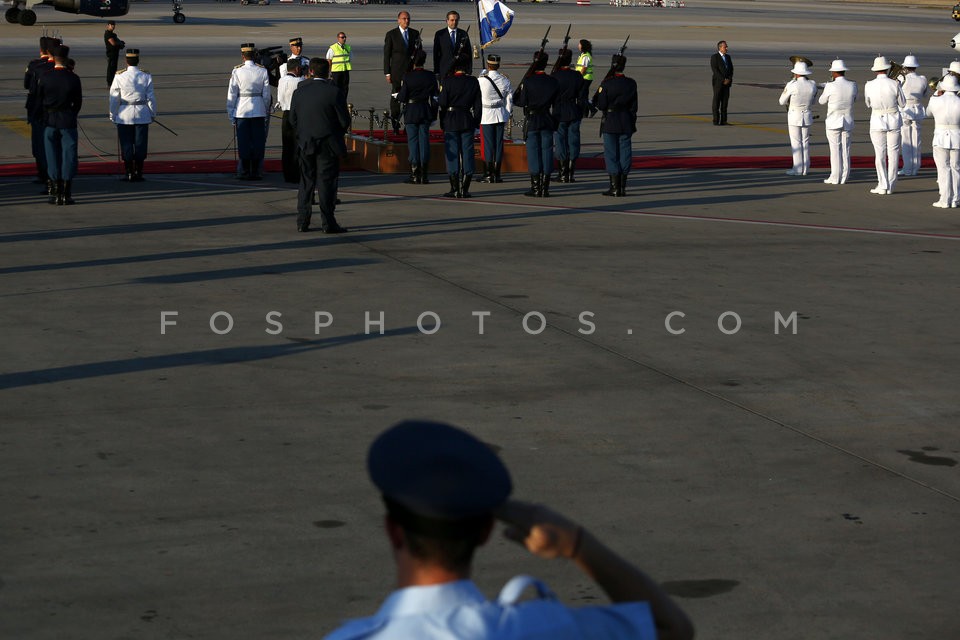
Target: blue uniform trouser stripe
{"x": 617, "y": 152}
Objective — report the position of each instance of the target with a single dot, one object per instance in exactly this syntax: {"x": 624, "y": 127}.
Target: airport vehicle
{"x": 21, "y": 11}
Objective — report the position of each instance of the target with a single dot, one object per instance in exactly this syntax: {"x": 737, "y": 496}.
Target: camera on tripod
{"x": 273, "y": 60}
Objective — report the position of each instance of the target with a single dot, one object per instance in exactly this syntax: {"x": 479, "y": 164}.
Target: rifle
{"x": 417, "y": 48}
{"x": 563, "y": 49}
{"x": 536, "y": 56}
{"x": 612, "y": 70}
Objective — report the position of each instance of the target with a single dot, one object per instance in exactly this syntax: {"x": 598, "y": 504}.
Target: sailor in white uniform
{"x": 839, "y": 95}
{"x": 944, "y": 108}
{"x": 915, "y": 90}
{"x": 884, "y": 98}
{"x": 798, "y": 97}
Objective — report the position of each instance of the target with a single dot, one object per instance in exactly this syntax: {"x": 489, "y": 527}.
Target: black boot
{"x": 424, "y": 175}
{"x": 414, "y": 175}
{"x": 614, "y": 185}
{"x": 496, "y": 173}
{"x": 50, "y": 188}
{"x": 571, "y": 168}
{"x": 55, "y": 189}
{"x": 534, "y": 186}
{"x": 562, "y": 171}
{"x": 244, "y": 170}
{"x": 66, "y": 196}
{"x": 138, "y": 171}
{"x": 465, "y": 187}
{"x": 622, "y": 186}
{"x": 255, "y": 170}
{"x": 544, "y": 185}
{"x": 454, "y": 186}
{"x": 127, "y": 171}
{"x": 487, "y": 174}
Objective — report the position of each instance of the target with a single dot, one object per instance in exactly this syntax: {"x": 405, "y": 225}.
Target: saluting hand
{"x": 544, "y": 532}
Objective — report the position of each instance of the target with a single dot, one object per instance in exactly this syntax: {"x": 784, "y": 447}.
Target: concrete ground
{"x": 190, "y": 482}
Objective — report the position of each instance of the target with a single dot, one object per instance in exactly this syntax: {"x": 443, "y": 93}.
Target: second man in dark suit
{"x": 398, "y": 47}
{"x": 447, "y": 42}
{"x": 722, "y": 66}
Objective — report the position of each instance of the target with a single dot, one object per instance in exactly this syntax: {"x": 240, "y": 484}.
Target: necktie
{"x": 453, "y": 40}
{"x": 405, "y": 41}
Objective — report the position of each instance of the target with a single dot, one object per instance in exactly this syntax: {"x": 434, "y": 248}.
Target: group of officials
{"x": 895, "y": 100}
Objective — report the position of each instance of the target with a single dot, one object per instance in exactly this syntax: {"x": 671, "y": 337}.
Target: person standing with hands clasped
{"x": 113, "y": 45}
{"x": 443, "y": 491}
{"x": 722, "y": 66}
{"x": 398, "y": 47}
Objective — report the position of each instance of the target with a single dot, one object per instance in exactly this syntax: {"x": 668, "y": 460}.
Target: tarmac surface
{"x": 191, "y": 482}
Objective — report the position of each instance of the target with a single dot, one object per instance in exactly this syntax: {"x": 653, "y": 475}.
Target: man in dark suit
{"x": 398, "y": 47}
{"x": 447, "y": 42}
{"x": 722, "y": 66}
{"x": 318, "y": 113}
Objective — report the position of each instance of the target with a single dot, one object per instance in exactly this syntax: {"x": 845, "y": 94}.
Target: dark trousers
{"x": 458, "y": 148}
{"x": 37, "y": 147}
{"x": 540, "y": 151}
{"x": 721, "y": 96}
{"x": 251, "y": 139}
{"x": 493, "y": 142}
{"x": 319, "y": 170}
{"x": 291, "y": 165}
{"x": 61, "y": 148}
{"x": 394, "y": 103}
{"x": 133, "y": 141}
{"x": 617, "y": 152}
{"x": 111, "y": 68}
{"x": 418, "y": 143}
{"x": 342, "y": 80}
{"x": 568, "y": 140}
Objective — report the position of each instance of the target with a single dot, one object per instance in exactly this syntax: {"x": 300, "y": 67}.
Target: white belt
{"x": 946, "y": 126}
{"x": 884, "y": 112}
{"x": 799, "y": 108}
{"x": 495, "y": 105}
{"x": 912, "y": 101}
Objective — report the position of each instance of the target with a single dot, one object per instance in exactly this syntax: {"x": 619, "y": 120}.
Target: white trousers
{"x": 948, "y": 174}
{"x": 886, "y": 148}
{"x": 839, "y": 155}
{"x": 910, "y": 147}
{"x": 800, "y": 145}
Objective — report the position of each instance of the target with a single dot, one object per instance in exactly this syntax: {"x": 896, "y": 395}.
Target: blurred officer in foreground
{"x": 460, "y": 111}
{"x": 60, "y": 94}
{"x": 318, "y": 114}
{"x": 496, "y": 93}
{"x": 536, "y": 94}
{"x": 419, "y": 96}
{"x": 443, "y": 490}
{"x": 914, "y": 88}
{"x": 798, "y": 98}
{"x": 617, "y": 99}
{"x": 248, "y": 104}
{"x": 839, "y": 96}
{"x": 285, "y": 88}
{"x": 568, "y": 111}
{"x": 945, "y": 110}
{"x": 133, "y": 107}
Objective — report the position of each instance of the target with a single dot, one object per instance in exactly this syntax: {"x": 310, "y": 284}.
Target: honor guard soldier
{"x": 914, "y": 91}
{"x": 443, "y": 490}
{"x": 60, "y": 94}
{"x": 31, "y": 76}
{"x": 798, "y": 97}
{"x": 536, "y": 94}
{"x": 617, "y": 99}
{"x": 248, "y": 104}
{"x": 460, "y": 112}
{"x": 839, "y": 96}
{"x": 113, "y": 45}
{"x": 944, "y": 108}
{"x": 496, "y": 94}
{"x": 419, "y": 95}
{"x": 288, "y": 136}
{"x": 133, "y": 107}
{"x": 339, "y": 56}
{"x": 296, "y": 53}
{"x": 568, "y": 112}
{"x": 884, "y": 98}
{"x": 585, "y": 67}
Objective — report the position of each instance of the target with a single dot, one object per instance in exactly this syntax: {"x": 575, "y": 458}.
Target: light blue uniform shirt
{"x": 458, "y": 611}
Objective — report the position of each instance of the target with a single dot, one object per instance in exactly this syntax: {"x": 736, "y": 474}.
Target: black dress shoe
{"x": 303, "y": 228}
{"x": 336, "y": 229}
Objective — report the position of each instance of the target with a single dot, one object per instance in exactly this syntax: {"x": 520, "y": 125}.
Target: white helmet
{"x": 880, "y": 63}
{"x": 800, "y": 69}
{"x": 949, "y": 83}
{"x": 910, "y": 62}
{"x": 838, "y": 65}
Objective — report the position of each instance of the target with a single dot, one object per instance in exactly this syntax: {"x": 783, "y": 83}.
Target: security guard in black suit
{"x": 419, "y": 96}
{"x": 398, "y": 47}
{"x": 318, "y": 113}
{"x": 568, "y": 111}
{"x": 617, "y": 99}
{"x": 536, "y": 94}
{"x": 460, "y": 110}
{"x": 31, "y": 76}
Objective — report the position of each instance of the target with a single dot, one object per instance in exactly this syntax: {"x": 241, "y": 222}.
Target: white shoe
{"x": 829, "y": 181}
{"x": 878, "y": 190}
{"x": 941, "y": 205}
{"x": 792, "y": 173}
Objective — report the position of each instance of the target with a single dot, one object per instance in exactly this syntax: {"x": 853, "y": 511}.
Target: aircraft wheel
{"x": 179, "y": 18}
{"x": 12, "y": 15}
{"x": 28, "y": 18}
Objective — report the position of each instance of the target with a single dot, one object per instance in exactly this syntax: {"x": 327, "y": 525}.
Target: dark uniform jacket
{"x": 720, "y": 71}
{"x": 61, "y": 96}
{"x": 396, "y": 56}
{"x": 617, "y": 98}
{"x": 318, "y": 113}
{"x": 112, "y": 51}
{"x": 31, "y": 77}
{"x": 443, "y": 53}
{"x": 536, "y": 94}
{"x": 418, "y": 95}
{"x": 460, "y": 104}
{"x": 572, "y": 95}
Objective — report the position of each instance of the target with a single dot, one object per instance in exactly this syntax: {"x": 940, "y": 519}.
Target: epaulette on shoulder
{"x": 259, "y": 65}
{"x": 238, "y": 66}
{"x": 120, "y": 71}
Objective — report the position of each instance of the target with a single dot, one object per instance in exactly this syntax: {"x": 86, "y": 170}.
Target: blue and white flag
{"x": 495, "y": 19}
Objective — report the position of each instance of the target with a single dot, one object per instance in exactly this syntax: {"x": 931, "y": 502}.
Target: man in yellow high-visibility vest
{"x": 585, "y": 67}
{"x": 339, "y": 56}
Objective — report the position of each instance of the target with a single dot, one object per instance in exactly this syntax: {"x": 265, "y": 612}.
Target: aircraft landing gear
{"x": 178, "y": 16}
{"x": 12, "y": 15}
{"x": 28, "y": 17}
